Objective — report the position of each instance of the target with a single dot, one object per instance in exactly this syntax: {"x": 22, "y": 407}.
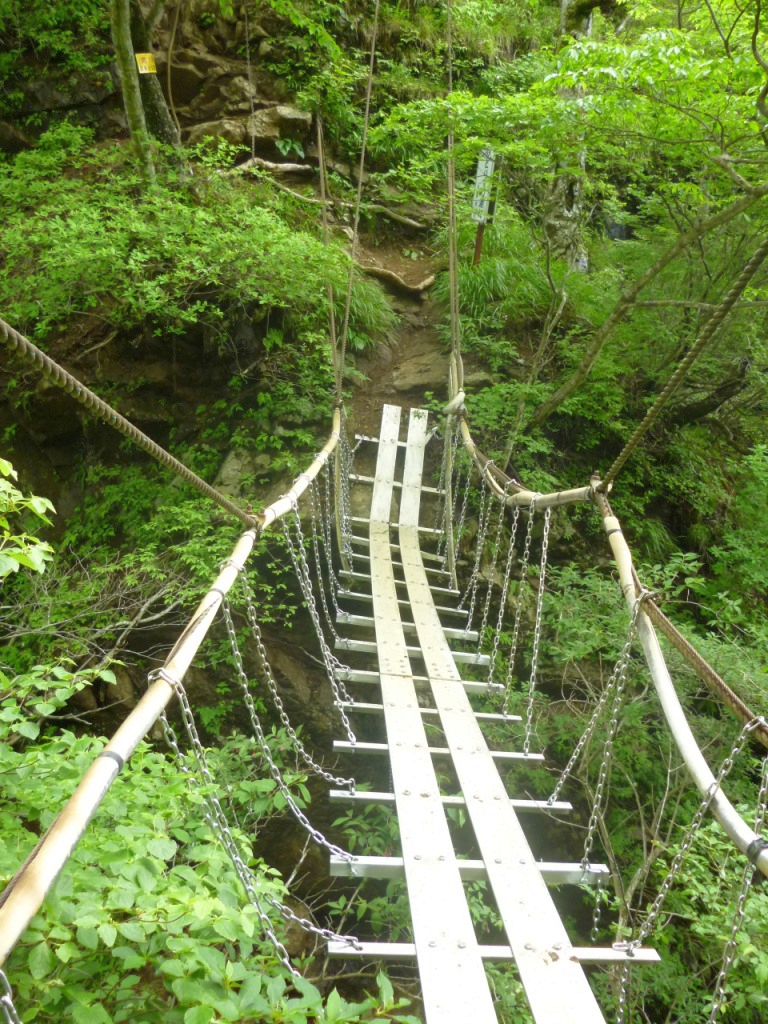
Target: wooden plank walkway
{"x": 450, "y": 959}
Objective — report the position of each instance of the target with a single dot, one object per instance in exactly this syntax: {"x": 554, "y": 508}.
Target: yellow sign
{"x": 146, "y": 63}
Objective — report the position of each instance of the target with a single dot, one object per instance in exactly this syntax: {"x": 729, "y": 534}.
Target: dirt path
{"x": 417, "y": 362}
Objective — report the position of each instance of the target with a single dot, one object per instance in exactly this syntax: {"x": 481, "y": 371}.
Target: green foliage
{"x": 17, "y": 547}
{"x": 168, "y": 260}
{"x": 69, "y": 36}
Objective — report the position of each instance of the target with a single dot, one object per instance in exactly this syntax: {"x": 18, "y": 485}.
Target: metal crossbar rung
{"x": 400, "y": 583}
{"x": 407, "y": 951}
{"x": 353, "y": 595}
{"x": 375, "y": 440}
{"x": 451, "y": 632}
{"x": 364, "y": 542}
{"x": 553, "y": 873}
{"x": 421, "y": 529}
{"x": 373, "y": 797}
{"x": 399, "y": 565}
{"x": 359, "y": 675}
{"x": 481, "y": 716}
{"x": 358, "y": 478}
{"x": 370, "y": 647}
{"x": 361, "y": 747}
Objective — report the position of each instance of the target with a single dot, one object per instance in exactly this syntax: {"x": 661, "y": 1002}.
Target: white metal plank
{"x": 556, "y": 989}
{"x": 554, "y": 872}
{"x": 353, "y": 595}
{"x": 366, "y": 621}
{"x": 371, "y": 796}
{"x": 583, "y": 954}
{"x": 454, "y": 987}
{"x": 366, "y": 747}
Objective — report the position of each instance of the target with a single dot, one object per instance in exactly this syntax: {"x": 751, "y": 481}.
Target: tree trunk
{"x": 120, "y": 19}
{"x": 158, "y": 117}
{"x": 626, "y": 301}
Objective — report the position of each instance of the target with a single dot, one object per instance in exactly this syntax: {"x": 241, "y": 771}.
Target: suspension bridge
{"x": 382, "y": 590}
{"x": 435, "y": 658}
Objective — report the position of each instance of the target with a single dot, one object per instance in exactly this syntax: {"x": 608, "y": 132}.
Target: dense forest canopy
{"x": 162, "y": 238}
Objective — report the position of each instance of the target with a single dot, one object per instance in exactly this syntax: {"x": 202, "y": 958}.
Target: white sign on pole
{"x": 483, "y": 179}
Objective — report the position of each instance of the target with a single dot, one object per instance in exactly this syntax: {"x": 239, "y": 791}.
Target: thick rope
{"x": 24, "y": 347}
{"x": 338, "y": 368}
{"x": 358, "y": 202}
{"x": 453, "y": 249}
{"x": 704, "y": 670}
{"x": 707, "y": 332}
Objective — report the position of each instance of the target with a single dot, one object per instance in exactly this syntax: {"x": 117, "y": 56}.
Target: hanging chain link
{"x": 258, "y": 732}
{"x": 269, "y": 677}
{"x": 327, "y": 530}
{"x": 495, "y": 558}
{"x": 463, "y": 513}
{"x": 617, "y": 678}
{"x": 219, "y": 826}
{"x": 345, "y": 468}
{"x": 10, "y": 1012}
{"x": 537, "y": 632}
{"x": 442, "y": 490}
{"x": 503, "y": 598}
{"x": 524, "y": 563}
{"x": 217, "y": 821}
{"x": 597, "y": 909}
{"x": 332, "y": 664}
{"x": 470, "y": 593}
{"x": 318, "y": 575}
{"x": 457, "y": 491}
{"x": 318, "y": 542}
{"x": 748, "y": 878}
{"x": 685, "y": 845}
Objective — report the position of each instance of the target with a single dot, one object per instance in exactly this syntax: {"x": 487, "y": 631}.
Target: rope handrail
{"x": 18, "y": 343}
{"x": 26, "y": 891}
{"x": 746, "y": 840}
{"x": 502, "y": 486}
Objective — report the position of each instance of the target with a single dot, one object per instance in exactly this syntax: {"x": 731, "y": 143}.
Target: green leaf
{"x": 31, "y": 730}
{"x": 162, "y": 848}
{"x": 132, "y": 930}
{"x": 107, "y": 933}
{"x": 40, "y": 961}
{"x": 88, "y": 937}
{"x": 198, "y": 1015}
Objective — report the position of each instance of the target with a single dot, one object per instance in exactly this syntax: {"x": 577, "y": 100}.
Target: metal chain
{"x": 597, "y": 909}
{"x": 603, "y": 773}
{"x": 503, "y": 598}
{"x": 440, "y": 515}
{"x": 748, "y": 877}
{"x": 318, "y": 575}
{"x": 327, "y": 531}
{"x": 484, "y": 515}
{"x": 276, "y": 698}
{"x": 220, "y": 826}
{"x": 463, "y": 514}
{"x": 677, "y": 862}
{"x": 456, "y": 492}
{"x": 217, "y": 822}
{"x": 10, "y": 1012}
{"x": 314, "y": 505}
{"x": 537, "y": 631}
{"x": 617, "y": 678}
{"x": 258, "y": 732}
{"x": 495, "y": 557}
{"x": 524, "y": 563}
{"x": 332, "y": 664}
{"x": 345, "y": 468}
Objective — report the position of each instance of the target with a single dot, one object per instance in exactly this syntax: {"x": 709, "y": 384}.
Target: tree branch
{"x": 627, "y": 300}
